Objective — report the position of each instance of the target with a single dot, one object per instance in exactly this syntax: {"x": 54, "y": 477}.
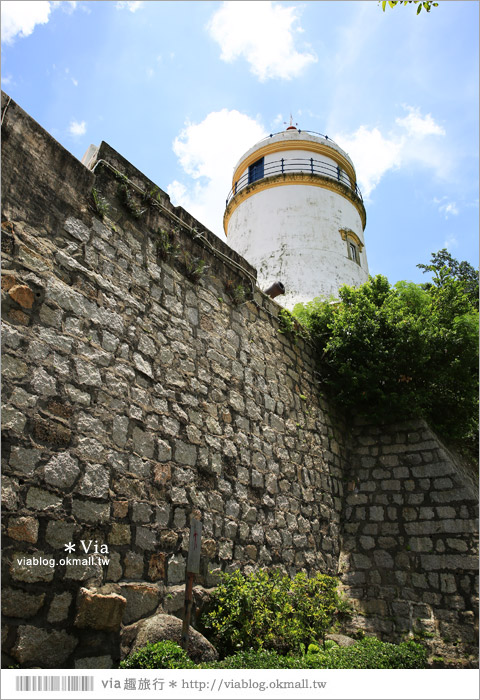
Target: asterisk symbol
{"x": 173, "y": 684}
{"x": 69, "y": 547}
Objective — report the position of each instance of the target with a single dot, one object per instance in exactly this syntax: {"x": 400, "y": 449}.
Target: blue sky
{"x": 182, "y": 89}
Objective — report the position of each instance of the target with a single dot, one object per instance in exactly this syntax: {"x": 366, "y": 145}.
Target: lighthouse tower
{"x": 295, "y": 213}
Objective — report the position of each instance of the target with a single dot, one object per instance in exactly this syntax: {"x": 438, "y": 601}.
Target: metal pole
{"x": 187, "y": 610}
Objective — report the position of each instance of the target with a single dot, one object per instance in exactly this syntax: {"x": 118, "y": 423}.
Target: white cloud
{"x": 373, "y": 155}
{"x": 264, "y": 34}
{"x": 132, "y": 5}
{"x": 208, "y": 153}
{"x": 408, "y": 143}
{"x": 77, "y": 128}
{"x": 416, "y": 125}
{"x": 21, "y": 18}
{"x": 446, "y": 208}
{"x": 67, "y": 7}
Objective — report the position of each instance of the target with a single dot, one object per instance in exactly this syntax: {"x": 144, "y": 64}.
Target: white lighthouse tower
{"x": 295, "y": 213}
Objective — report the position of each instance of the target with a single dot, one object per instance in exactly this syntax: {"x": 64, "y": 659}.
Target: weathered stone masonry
{"x": 136, "y": 398}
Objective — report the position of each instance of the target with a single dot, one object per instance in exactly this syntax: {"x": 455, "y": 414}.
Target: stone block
{"x": 77, "y": 229}
{"x": 90, "y": 449}
{"x": 119, "y": 534}
{"x": 39, "y": 499}
{"x": 87, "y": 373}
{"x": 99, "y": 611}
{"x": 43, "y": 383}
{"x": 120, "y": 509}
{"x": 157, "y": 567}
{"x": 164, "y": 451}
{"x": 59, "y": 607}
{"x": 162, "y": 474}
{"x": 13, "y": 368}
{"x": 142, "y": 599}
{"x": 142, "y": 365}
{"x": 141, "y": 512}
{"x": 133, "y": 565}
{"x": 114, "y": 571}
{"x": 24, "y": 460}
{"x": 360, "y": 561}
{"x": 13, "y": 420}
{"x": 32, "y": 566}
{"x": 143, "y": 443}
{"x": 176, "y": 569}
{"x": 376, "y": 513}
{"x": 145, "y": 538}
{"x": 383, "y": 559}
{"x": 90, "y": 511}
{"x": 18, "y": 603}
{"x": 185, "y": 453}
{"x": 51, "y": 433}
{"x": 43, "y": 648}
{"x": 62, "y": 470}
{"x": 59, "y": 533}
{"x": 120, "y": 430}
{"x": 420, "y": 544}
{"x": 23, "y": 529}
{"x": 95, "y": 482}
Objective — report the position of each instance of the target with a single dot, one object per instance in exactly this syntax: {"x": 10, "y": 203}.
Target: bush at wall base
{"x": 268, "y": 610}
{"x": 165, "y": 654}
{"x": 368, "y": 653}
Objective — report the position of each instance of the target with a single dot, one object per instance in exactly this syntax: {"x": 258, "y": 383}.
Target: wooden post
{"x": 193, "y": 567}
{"x": 187, "y": 611}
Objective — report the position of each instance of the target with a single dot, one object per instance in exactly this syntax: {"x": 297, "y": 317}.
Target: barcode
{"x": 51, "y": 683}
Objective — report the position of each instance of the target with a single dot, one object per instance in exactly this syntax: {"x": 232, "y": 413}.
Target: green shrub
{"x": 267, "y": 610}
{"x": 368, "y": 653}
{"x": 164, "y": 654}
{"x": 256, "y": 659}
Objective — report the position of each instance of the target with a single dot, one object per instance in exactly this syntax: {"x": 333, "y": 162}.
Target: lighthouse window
{"x": 354, "y": 253}
{"x": 255, "y": 171}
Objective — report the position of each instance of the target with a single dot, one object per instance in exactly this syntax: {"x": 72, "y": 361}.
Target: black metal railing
{"x": 305, "y": 131}
{"x": 295, "y": 165}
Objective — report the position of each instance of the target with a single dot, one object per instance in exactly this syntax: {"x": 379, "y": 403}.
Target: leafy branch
{"x": 427, "y": 6}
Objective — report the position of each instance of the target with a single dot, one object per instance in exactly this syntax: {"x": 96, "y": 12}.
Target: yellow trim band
{"x": 294, "y": 179}
{"x": 300, "y": 145}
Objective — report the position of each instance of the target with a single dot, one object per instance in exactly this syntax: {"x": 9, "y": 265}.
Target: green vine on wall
{"x": 237, "y": 293}
{"x": 100, "y": 204}
{"x": 289, "y": 326}
{"x": 126, "y": 197}
{"x": 167, "y": 249}
{"x": 194, "y": 267}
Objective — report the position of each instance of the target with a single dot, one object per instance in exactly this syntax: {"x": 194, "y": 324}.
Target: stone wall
{"x": 146, "y": 383}
{"x": 410, "y": 547}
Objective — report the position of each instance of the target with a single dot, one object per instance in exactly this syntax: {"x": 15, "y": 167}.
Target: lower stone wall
{"x": 409, "y": 556}
{"x": 138, "y": 396}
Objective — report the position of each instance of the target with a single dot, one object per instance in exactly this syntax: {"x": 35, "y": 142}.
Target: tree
{"x": 444, "y": 268}
{"x": 426, "y": 5}
{"x": 402, "y": 351}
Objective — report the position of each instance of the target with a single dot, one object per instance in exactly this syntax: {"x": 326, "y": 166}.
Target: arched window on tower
{"x": 354, "y": 245}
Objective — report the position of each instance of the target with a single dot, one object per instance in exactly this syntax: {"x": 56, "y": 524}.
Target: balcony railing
{"x": 295, "y": 165}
